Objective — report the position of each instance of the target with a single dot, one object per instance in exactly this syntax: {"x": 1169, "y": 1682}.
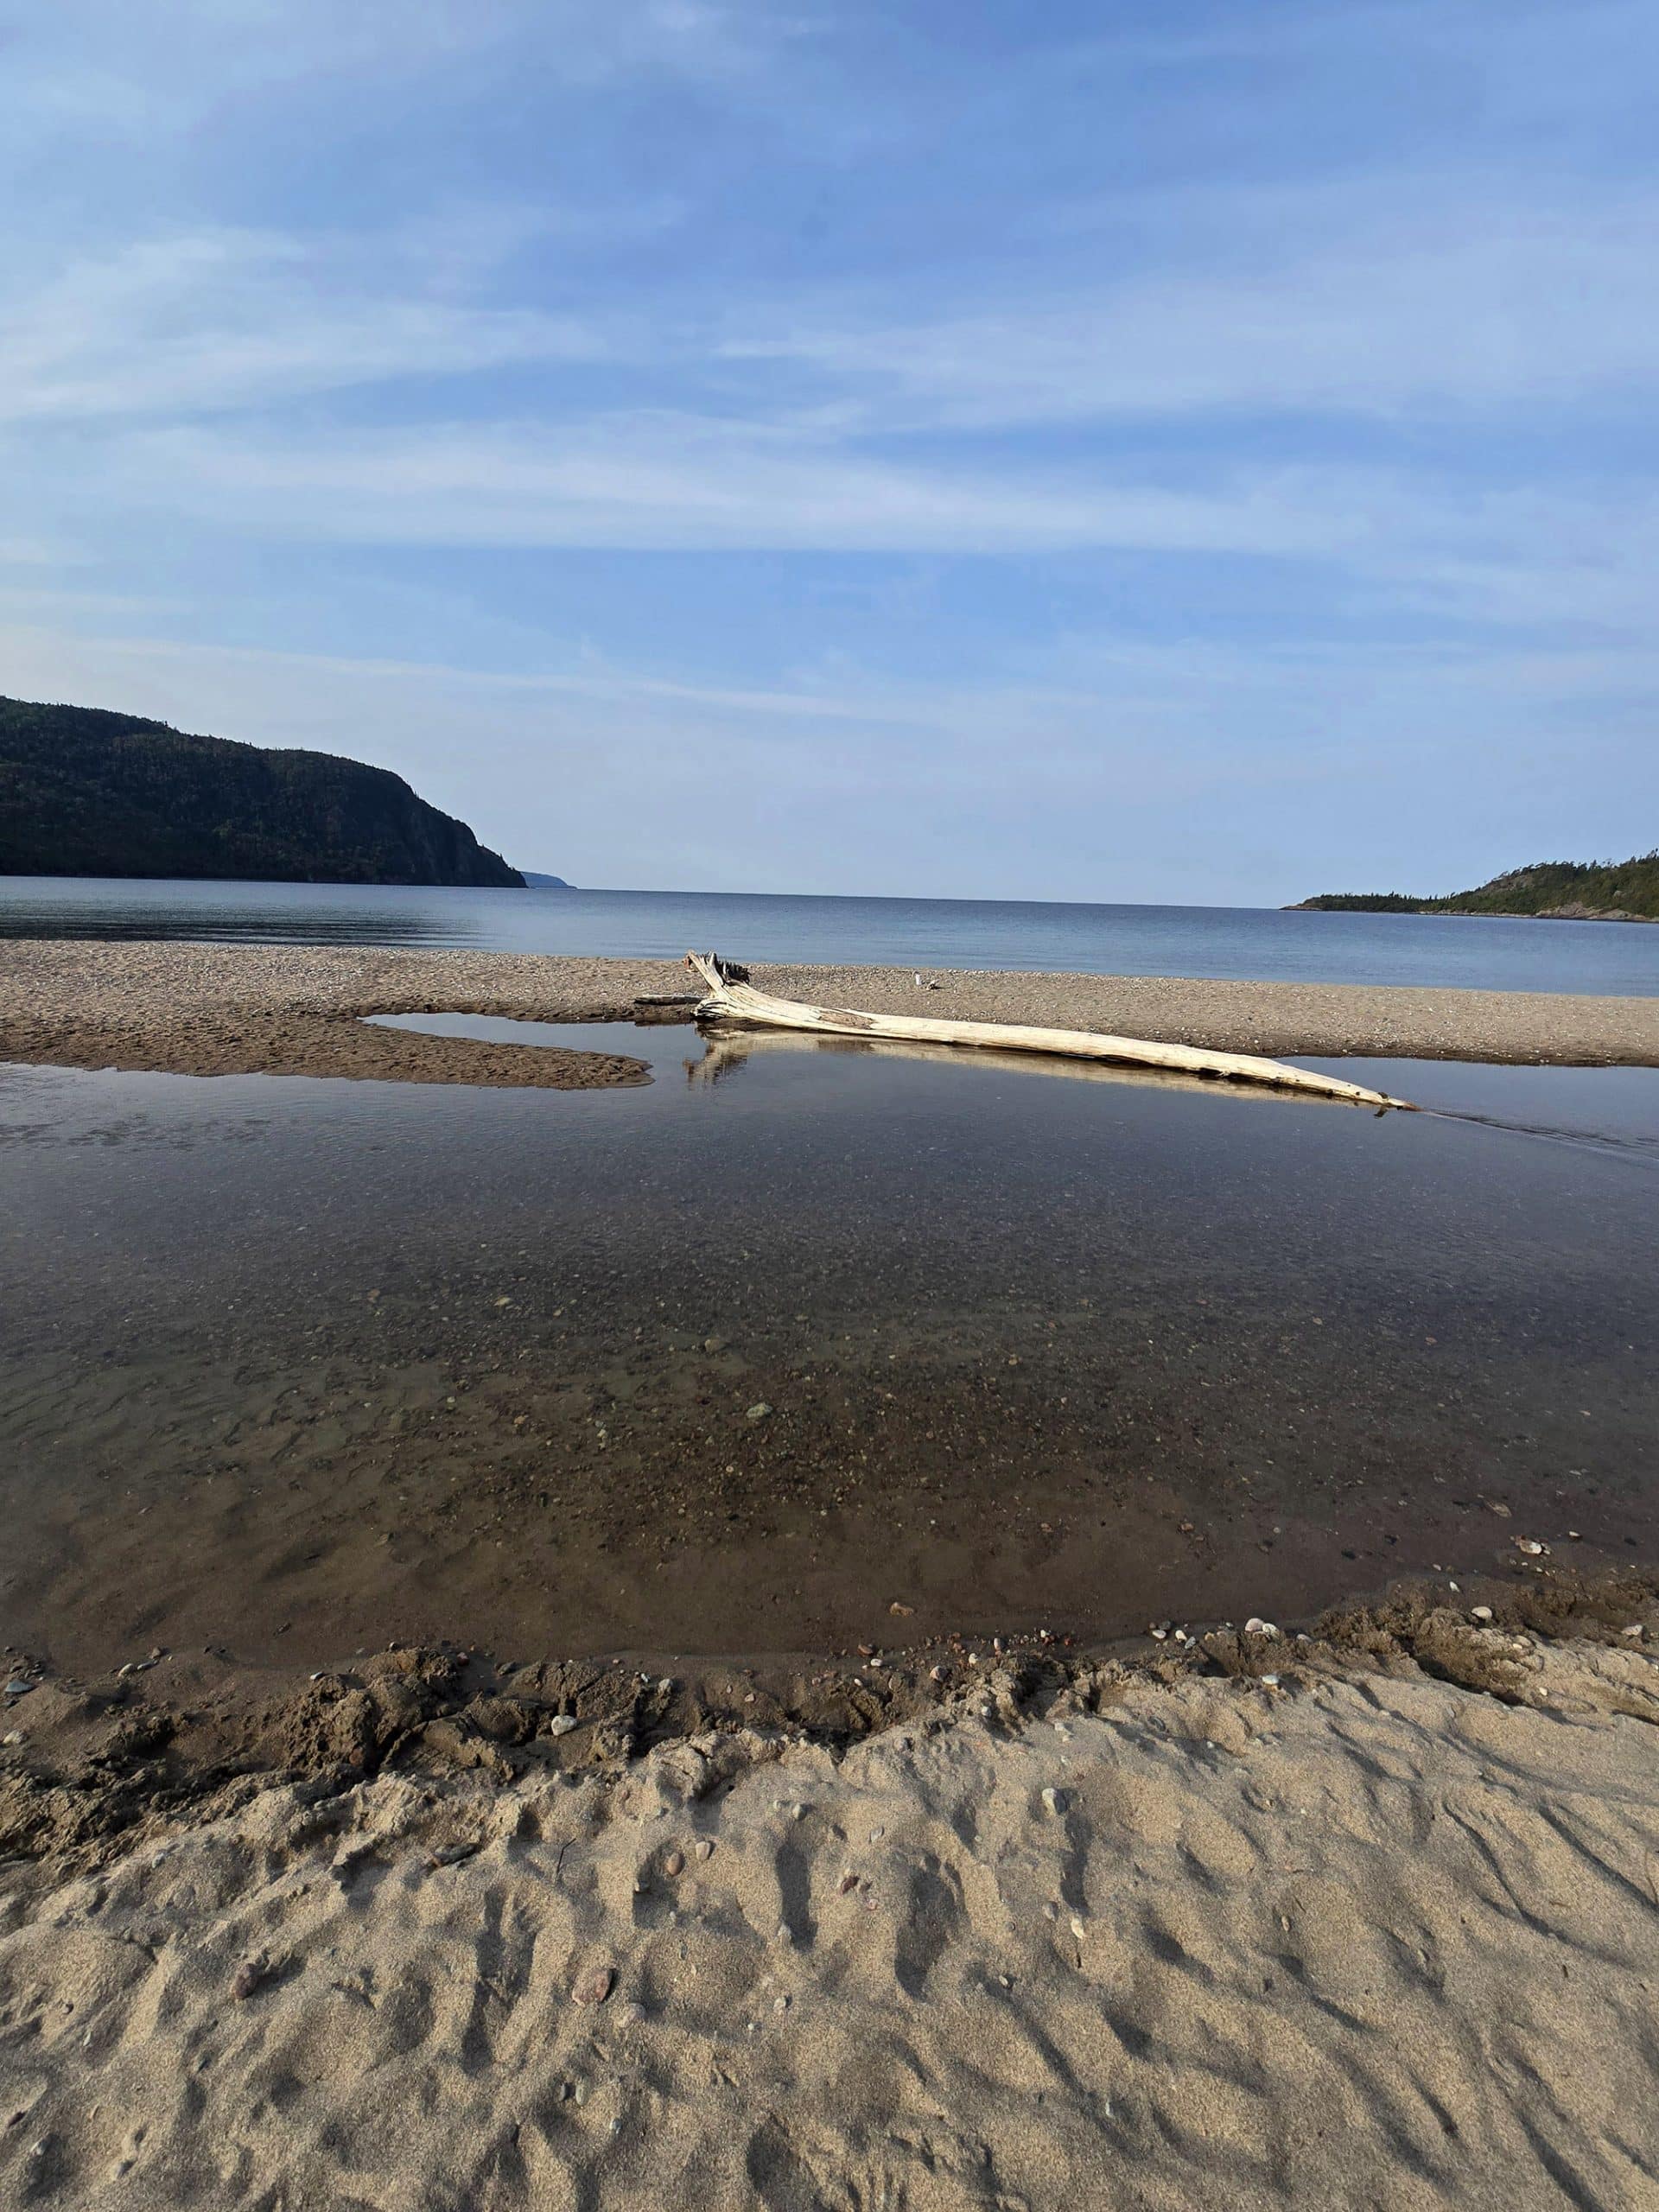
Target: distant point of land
{"x": 546, "y": 882}
{"x": 1561, "y": 891}
{"x": 87, "y": 793}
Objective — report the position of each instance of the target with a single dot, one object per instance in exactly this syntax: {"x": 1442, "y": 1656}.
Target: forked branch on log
{"x": 732, "y": 1000}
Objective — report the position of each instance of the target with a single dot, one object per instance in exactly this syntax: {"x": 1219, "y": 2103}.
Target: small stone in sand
{"x": 596, "y": 1986}
{"x": 674, "y": 1864}
{"x": 1480, "y": 1612}
{"x": 705, "y": 1846}
{"x": 1054, "y": 1800}
{"x": 562, "y": 1724}
{"x": 758, "y": 1410}
{"x": 247, "y": 1978}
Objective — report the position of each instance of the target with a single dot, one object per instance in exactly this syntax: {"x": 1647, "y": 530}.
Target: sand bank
{"x": 1345, "y": 1939}
{"x": 287, "y": 1010}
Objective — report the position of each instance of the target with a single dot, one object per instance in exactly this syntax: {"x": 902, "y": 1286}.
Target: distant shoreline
{"x": 1546, "y": 891}
{"x": 210, "y": 1009}
{"x": 1360, "y": 904}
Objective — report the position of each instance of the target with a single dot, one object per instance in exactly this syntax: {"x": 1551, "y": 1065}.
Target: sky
{"x": 1202, "y": 451}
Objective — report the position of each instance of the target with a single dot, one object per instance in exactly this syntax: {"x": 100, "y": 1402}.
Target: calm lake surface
{"x": 802, "y": 1331}
{"x": 1472, "y": 952}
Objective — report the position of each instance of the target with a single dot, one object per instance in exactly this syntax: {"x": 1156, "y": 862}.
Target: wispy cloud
{"x": 1463, "y": 307}
{"x": 659, "y": 479}
{"x": 140, "y": 66}
{"x": 211, "y": 321}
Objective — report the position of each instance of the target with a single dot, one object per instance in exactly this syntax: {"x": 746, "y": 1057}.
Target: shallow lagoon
{"x": 292, "y": 1365}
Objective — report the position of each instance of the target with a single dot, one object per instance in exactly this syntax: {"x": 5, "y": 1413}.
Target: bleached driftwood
{"x": 728, "y": 1047}
{"x": 733, "y": 999}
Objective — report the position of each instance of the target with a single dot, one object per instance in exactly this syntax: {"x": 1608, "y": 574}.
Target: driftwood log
{"x": 732, "y": 997}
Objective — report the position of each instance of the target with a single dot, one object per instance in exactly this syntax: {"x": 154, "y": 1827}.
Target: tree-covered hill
{"x": 85, "y": 793}
{"x": 1620, "y": 890}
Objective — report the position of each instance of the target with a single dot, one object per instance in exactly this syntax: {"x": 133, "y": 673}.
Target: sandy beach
{"x": 283, "y": 1010}
{"x": 1364, "y": 1913}
{"x": 1326, "y": 1936}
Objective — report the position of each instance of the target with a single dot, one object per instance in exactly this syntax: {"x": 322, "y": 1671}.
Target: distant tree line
{"x": 1574, "y": 890}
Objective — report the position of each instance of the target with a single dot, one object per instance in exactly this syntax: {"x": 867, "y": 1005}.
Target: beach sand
{"x": 1362, "y": 1939}
{"x": 193, "y": 1009}
{"x": 1367, "y": 1920}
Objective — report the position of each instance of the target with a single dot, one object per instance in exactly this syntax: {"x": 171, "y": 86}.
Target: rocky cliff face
{"x": 85, "y": 793}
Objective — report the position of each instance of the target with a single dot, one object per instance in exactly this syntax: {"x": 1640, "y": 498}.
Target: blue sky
{"x": 1180, "y": 451}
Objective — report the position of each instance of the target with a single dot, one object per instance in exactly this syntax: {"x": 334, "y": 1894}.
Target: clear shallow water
{"x": 294, "y": 1364}
{"x": 1472, "y": 952}
{"x": 1617, "y": 1108}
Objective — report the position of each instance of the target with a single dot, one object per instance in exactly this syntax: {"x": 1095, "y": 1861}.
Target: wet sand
{"x": 221, "y": 1010}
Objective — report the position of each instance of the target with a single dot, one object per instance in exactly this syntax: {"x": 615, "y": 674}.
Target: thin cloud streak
{"x": 1520, "y": 308}
{"x": 203, "y": 323}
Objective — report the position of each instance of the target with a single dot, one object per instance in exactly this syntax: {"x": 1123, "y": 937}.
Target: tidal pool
{"x": 801, "y": 1333}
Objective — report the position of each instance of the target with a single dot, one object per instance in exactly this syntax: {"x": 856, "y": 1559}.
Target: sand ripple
{"x": 1372, "y": 1942}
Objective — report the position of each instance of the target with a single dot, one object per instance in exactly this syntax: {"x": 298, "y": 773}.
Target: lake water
{"x": 802, "y": 1331}
{"x": 1472, "y": 952}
